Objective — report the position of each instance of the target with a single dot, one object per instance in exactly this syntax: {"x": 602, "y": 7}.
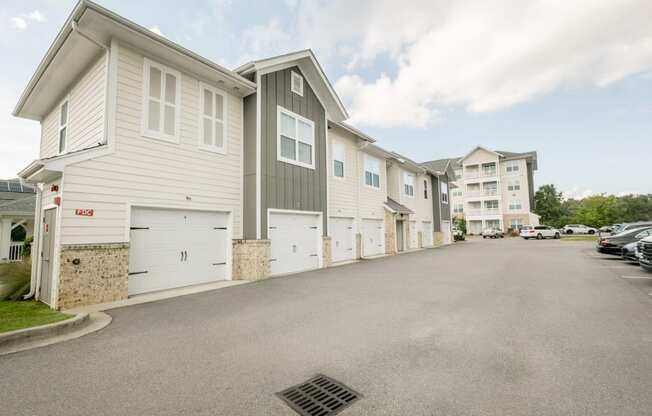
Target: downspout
{"x": 107, "y": 49}
{"x": 36, "y": 244}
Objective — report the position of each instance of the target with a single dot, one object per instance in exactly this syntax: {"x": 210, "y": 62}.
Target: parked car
{"x": 614, "y": 244}
{"x": 630, "y": 252}
{"x": 578, "y": 229}
{"x": 539, "y": 232}
{"x": 644, "y": 248}
{"x": 493, "y": 233}
{"x": 633, "y": 225}
{"x": 606, "y": 230}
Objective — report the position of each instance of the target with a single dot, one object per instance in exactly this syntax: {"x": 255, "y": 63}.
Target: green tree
{"x": 548, "y": 205}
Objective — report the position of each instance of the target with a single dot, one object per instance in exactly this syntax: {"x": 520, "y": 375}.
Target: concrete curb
{"x": 39, "y": 336}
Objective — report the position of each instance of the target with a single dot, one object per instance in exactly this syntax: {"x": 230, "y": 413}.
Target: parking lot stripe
{"x": 637, "y": 277}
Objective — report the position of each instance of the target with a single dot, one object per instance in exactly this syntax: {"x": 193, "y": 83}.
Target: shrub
{"x": 15, "y": 279}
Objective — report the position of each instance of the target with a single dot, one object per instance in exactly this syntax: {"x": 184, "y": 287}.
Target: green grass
{"x": 25, "y": 314}
{"x": 579, "y": 238}
{"x": 14, "y": 278}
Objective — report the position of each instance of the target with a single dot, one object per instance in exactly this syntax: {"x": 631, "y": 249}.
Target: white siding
{"x": 86, "y": 104}
{"x": 408, "y": 201}
{"x": 423, "y": 207}
{"x": 150, "y": 172}
{"x": 520, "y": 195}
{"x": 371, "y": 200}
{"x": 343, "y": 192}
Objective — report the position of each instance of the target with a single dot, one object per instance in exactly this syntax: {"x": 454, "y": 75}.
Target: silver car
{"x": 493, "y": 233}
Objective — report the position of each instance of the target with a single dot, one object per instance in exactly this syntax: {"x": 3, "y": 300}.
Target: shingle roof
{"x": 20, "y": 206}
{"x": 15, "y": 185}
{"x": 438, "y": 165}
{"x": 396, "y": 207}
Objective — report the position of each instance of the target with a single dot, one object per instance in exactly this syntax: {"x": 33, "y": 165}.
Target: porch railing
{"x": 16, "y": 251}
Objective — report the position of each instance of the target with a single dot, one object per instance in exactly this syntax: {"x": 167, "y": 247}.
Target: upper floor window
{"x": 458, "y": 208}
{"x": 425, "y": 189}
{"x": 63, "y": 126}
{"x": 212, "y": 129}
{"x": 514, "y": 185}
{"x": 458, "y": 174}
{"x": 492, "y": 204}
{"x": 408, "y": 184}
{"x": 297, "y": 83}
{"x": 515, "y": 205}
{"x": 296, "y": 138}
{"x": 444, "y": 192}
{"x": 511, "y": 166}
{"x": 161, "y": 103}
{"x": 372, "y": 172}
{"x": 457, "y": 193}
{"x": 339, "y": 157}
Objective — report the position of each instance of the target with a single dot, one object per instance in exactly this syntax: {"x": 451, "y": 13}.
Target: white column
{"x": 5, "y": 238}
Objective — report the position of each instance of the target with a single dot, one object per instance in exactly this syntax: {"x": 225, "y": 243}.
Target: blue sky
{"x": 573, "y": 82}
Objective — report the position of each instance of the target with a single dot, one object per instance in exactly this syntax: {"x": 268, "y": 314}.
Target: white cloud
{"x": 264, "y": 40}
{"x": 481, "y": 56}
{"x": 157, "y": 30}
{"x": 37, "y": 16}
{"x": 578, "y": 193}
{"x": 18, "y": 23}
{"x": 21, "y": 22}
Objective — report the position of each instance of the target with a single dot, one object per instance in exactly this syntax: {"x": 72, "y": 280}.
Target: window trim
{"x": 512, "y": 166}
{"x": 364, "y": 173}
{"x": 340, "y": 146}
{"x": 444, "y": 195}
{"x": 66, "y": 102}
{"x": 405, "y": 184}
{"x": 203, "y": 146}
{"x": 279, "y": 157}
{"x": 513, "y": 184}
{"x": 511, "y": 205}
{"x": 144, "y": 130}
{"x": 293, "y": 75}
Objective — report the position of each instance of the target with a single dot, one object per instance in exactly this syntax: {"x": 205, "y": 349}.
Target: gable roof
{"x": 442, "y": 167}
{"x": 394, "y": 206}
{"x": 479, "y": 148}
{"x": 72, "y": 50}
{"x": 352, "y": 130}
{"x": 23, "y": 206}
{"x": 312, "y": 70}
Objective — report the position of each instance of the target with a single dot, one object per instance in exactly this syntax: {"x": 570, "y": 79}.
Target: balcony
{"x": 483, "y": 192}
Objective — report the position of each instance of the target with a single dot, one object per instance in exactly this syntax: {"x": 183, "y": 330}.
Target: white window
{"x": 63, "y": 126}
{"x": 458, "y": 208}
{"x": 515, "y": 205}
{"x": 514, "y": 185}
{"x": 339, "y": 157}
{"x": 296, "y": 138}
{"x": 493, "y": 204}
{"x": 408, "y": 184}
{"x": 457, "y": 193}
{"x": 515, "y": 224}
{"x": 425, "y": 189}
{"x": 212, "y": 125}
{"x": 511, "y": 166}
{"x": 372, "y": 172}
{"x": 297, "y": 83}
{"x": 161, "y": 102}
{"x": 444, "y": 192}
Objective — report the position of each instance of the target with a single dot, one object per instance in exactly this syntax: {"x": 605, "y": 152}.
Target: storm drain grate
{"x": 319, "y": 396}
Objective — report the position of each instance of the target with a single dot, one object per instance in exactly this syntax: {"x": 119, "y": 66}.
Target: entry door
{"x": 295, "y": 240}
{"x": 47, "y": 254}
{"x": 173, "y": 248}
{"x": 341, "y": 230}
{"x": 414, "y": 240}
{"x": 399, "y": 236}
{"x": 373, "y": 237}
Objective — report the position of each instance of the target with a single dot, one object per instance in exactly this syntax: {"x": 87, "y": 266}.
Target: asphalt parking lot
{"x": 485, "y": 327}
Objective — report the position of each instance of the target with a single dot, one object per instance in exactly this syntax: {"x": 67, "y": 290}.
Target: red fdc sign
{"x": 84, "y": 212}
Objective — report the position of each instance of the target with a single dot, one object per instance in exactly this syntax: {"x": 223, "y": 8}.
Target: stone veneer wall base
{"x": 327, "y": 254}
{"x": 438, "y": 238}
{"x": 92, "y": 273}
{"x": 251, "y": 259}
{"x": 390, "y": 233}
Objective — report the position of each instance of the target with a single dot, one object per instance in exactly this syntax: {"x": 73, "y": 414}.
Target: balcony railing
{"x": 16, "y": 251}
{"x": 471, "y": 212}
{"x": 483, "y": 192}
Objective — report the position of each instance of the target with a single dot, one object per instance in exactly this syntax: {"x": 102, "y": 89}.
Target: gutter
{"x": 36, "y": 246}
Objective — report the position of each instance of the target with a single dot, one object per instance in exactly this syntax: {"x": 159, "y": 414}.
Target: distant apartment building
{"x": 494, "y": 189}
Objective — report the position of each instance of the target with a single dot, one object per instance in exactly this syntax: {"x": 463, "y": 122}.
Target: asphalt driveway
{"x": 499, "y": 327}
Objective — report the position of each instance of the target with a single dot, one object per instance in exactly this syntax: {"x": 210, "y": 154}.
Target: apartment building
{"x": 493, "y": 189}
{"x": 160, "y": 169}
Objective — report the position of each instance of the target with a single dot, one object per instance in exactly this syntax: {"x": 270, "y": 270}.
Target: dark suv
{"x": 614, "y": 244}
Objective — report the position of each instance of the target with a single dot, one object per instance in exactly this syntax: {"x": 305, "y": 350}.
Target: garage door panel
{"x": 174, "y": 248}
{"x": 341, "y": 230}
{"x": 295, "y": 242}
{"x": 373, "y": 237}
{"x": 426, "y": 233}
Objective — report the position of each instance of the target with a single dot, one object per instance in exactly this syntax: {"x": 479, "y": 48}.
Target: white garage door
{"x": 373, "y": 237}
{"x": 173, "y": 248}
{"x": 446, "y": 231}
{"x": 295, "y": 240}
{"x": 426, "y": 233}
{"x": 341, "y": 231}
{"x": 413, "y": 235}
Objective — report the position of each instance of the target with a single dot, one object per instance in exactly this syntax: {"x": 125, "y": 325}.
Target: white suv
{"x": 578, "y": 229}
{"x": 539, "y": 232}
